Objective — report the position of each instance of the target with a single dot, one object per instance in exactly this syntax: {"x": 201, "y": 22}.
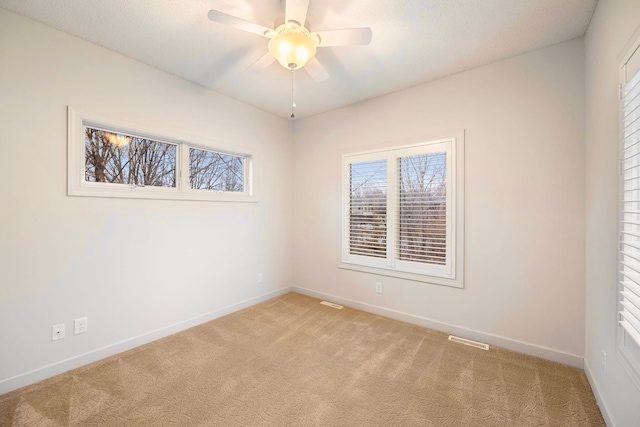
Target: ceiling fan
{"x": 292, "y": 44}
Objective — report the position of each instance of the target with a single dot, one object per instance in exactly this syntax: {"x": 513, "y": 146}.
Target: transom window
{"x": 209, "y": 170}
{"x": 124, "y": 159}
{"x": 109, "y": 158}
{"x": 401, "y": 211}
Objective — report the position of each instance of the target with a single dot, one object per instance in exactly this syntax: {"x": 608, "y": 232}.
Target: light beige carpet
{"x": 291, "y": 361}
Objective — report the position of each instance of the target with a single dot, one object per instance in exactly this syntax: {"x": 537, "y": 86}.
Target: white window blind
{"x": 368, "y": 208}
{"x": 399, "y": 211}
{"x": 630, "y": 209}
{"x": 422, "y": 208}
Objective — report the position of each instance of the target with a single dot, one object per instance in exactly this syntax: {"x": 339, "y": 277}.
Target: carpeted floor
{"x": 291, "y": 361}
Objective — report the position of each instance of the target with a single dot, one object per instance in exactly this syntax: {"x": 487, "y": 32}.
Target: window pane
{"x": 209, "y": 170}
{"x": 422, "y": 216}
{"x": 123, "y": 159}
{"x": 368, "y": 209}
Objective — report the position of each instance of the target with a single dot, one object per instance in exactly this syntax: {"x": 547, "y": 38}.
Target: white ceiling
{"x": 414, "y": 41}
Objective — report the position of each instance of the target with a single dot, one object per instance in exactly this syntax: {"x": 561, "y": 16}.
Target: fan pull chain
{"x": 293, "y": 92}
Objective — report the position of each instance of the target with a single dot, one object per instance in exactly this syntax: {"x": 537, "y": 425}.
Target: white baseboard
{"x": 495, "y": 340}
{"x": 604, "y": 410}
{"x": 39, "y": 374}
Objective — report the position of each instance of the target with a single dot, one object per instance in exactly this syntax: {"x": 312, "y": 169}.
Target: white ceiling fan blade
{"x": 261, "y": 63}
{"x": 346, "y": 37}
{"x": 296, "y": 10}
{"x": 240, "y": 24}
{"x": 316, "y": 70}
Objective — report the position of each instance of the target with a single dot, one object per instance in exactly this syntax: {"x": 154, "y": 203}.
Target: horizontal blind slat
{"x": 634, "y": 312}
{"x": 631, "y": 85}
{"x": 635, "y": 256}
{"x": 635, "y": 266}
{"x": 629, "y": 233}
{"x": 635, "y": 245}
{"x": 631, "y": 286}
{"x": 633, "y": 333}
{"x": 630, "y": 124}
{"x": 631, "y": 106}
{"x": 634, "y": 277}
{"x": 632, "y": 303}
{"x": 633, "y": 321}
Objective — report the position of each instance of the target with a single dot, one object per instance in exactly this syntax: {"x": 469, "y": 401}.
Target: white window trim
{"x": 627, "y": 354}
{"x": 367, "y": 264}
{"x": 77, "y": 186}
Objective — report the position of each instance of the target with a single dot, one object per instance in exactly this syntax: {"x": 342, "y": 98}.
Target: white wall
{"x": 131, "y": 266}
{"x": 524, "y": 257}
{"x": 613, "y": 24}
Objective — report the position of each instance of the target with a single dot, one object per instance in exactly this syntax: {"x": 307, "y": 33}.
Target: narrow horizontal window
{"x": 124, "y": 159}
{"x": 114, "y": 158}
{"x": 209, "y": 170}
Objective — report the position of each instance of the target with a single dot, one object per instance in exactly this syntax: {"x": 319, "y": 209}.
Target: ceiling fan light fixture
{"x": 292, "y": 46}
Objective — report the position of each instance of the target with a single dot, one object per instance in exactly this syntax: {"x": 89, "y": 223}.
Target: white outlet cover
{"x": 57, "y": 332}
{"x": 80, "y": 326}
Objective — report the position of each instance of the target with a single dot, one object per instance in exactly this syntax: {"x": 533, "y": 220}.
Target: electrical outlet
{"x": 260, "y": 278}
{"x": 379, "y": 287}
{"x": 604, "y": 361}
{"x": 57, "y": 332}
{"x": 80, "y": 326}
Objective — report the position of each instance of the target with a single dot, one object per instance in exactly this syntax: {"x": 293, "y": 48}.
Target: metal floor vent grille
{"x": 330, "y": 304}
{"x": 465, "y": 341}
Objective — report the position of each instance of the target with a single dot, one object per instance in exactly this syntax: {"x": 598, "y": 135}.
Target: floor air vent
{"x": 330, "y": 304}
{"x": 465, "y": 341}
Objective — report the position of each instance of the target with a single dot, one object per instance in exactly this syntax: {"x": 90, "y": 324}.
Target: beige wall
{"x": 133, "y": 267}
{"x": 524, "y": 192}
{"x": 613, "y": 24}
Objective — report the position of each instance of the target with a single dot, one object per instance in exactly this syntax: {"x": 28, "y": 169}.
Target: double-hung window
{"x": 111, "y": 158}
{"x": 629, "y": 212}
{"x": 402, "y": 211}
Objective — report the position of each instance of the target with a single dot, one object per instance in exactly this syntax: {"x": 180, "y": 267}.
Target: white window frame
{"x": 627, "y": 350}
{"x": 78, "y": 186}
{"x": 449, "y": 275}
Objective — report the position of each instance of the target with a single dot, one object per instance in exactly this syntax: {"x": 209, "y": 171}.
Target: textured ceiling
{"x": 414, "y": 41}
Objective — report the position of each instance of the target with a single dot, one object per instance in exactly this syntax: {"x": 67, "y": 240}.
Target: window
{"x": 402, "y": 211}
{"x": 115, "y": 159}
{"x": 209, "y": 170}
{"x": 124, "y": 159}
{"x": 629, "y": 214}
